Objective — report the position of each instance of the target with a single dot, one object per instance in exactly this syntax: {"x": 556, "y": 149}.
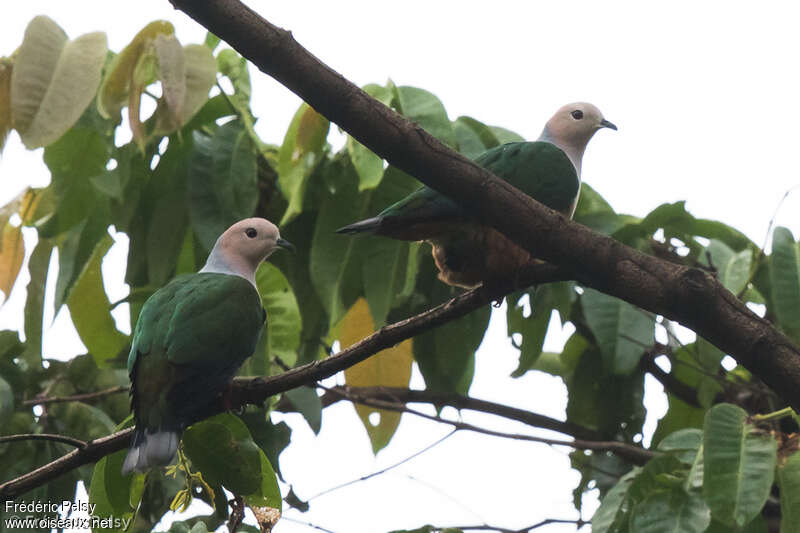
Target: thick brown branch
{"x": 257, "y": 390}
{"x": 688, "y": 295}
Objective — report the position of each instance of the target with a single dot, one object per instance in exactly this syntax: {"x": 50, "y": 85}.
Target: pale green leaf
{"x": 427, "y": 110}
{"x": 739, "y": 465}
{"x": 673, "y": 511}
{"x": 623, "y": 332}
{"x": 172, "y": 73}
{"x": 71, "y": 89}
{"x": 784, "y": 270}
{"x": 284, "y": 322}
{"x": 300, "y": 152}
{"x": 90, "y": 309}
{"x": 34, "y": 65}
{"x": 788, "y": 474}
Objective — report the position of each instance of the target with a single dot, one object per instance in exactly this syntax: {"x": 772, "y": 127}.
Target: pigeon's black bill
{"x": 607, "y": 124}
{"x": 286, "y": 245}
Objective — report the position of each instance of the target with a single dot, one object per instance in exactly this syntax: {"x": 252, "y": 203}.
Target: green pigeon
{"x": 192, "y": 336}
{"x": 468, "y": 253}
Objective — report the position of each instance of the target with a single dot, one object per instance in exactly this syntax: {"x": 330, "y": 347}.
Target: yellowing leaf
{"x": 201, "y": 74}
{"x": 12, "y": 251}
{"x": 34, "y": 66}
{"x": 6, "y": 67}
{"x": 90, "y": 309}
{"x": 113, "y": 93}
{"x": 301, "y": 150}
{"x": 172, "y": 73}
{"x": 71, "y": 89}
{"x": 389, "y": 368}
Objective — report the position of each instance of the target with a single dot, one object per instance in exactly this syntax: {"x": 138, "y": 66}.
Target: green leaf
{"x": 75, "y": 252}
{"x": 6, "y": 400}
{"x": 268, "y": 494}
{"x": 613, "y": 509}
{"x": 368, "y": 165}
{"x": 739, "y": 465}
{"x": 387, "y": 265}
{"x": 222, "y": 184}
{"x": 788, "y": 477}
{"x": 90, "y": 309}
{"x": 623, "y": 332}
{"x": 446, "y": 355}
{"x": 38, "y": 265}
{"x": 284, "y": 322}
{"x": 78, "y": 156}
{"x": 426, "y": 110}
{"x": 609, "y": 403}
{"x": 307, "y": 402}
{"x": 223, "y": 450}
{"x": 474, "y": 137}
{"x": 784, "y": 270}
{"x": 543, "y": 300}
{"x": 733, "y": 268}
{"x": 685, "y": 441}
{"x": 670, "y": 512}
{"x": 111, "y": 492}
{"x": 505, "y": 136}
{"x": 335, "y": 260}
{"x": 301, "y": 151}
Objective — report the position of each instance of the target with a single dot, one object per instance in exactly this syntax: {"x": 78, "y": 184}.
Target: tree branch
{"x": 688, "y": 295}
{"x": 458, "y": 401}
{"x": 46, "y": 437}
{"x": 257, "y": 390}
{"x": 89, "y": 396}
{"x": 633, "y": 454}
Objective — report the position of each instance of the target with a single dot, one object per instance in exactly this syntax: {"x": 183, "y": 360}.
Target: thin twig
{"x": 307, "y": 524}
{"x": 45, "y": 436}
{"x": 76, "y": 397}
{"x": 486, "y": 527}
{"x": 384, "y": 470}
{"x": 632, "y": 453}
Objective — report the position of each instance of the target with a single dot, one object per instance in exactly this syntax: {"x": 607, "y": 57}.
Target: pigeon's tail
{"x": 150, "y": 449}
{"x": 370, "y": 225}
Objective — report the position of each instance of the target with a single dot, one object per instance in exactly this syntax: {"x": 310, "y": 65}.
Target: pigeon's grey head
{"x": 571, "y": 128}
{"x": 243, "y": 246}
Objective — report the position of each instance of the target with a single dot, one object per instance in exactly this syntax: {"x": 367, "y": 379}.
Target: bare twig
{"x": 87, "y": 397}
{"x": 44, "y": 436}
{"x": 383, "y": 470}
{"x": 634, "y": 454}
{"x": 486, "y": 527}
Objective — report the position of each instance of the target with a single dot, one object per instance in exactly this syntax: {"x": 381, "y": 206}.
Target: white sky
{"x": 703, "y": 93}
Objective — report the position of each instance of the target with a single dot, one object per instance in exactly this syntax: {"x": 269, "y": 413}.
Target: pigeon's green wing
{"x": 539, "y": 169}
{"x": 191, "y": 337}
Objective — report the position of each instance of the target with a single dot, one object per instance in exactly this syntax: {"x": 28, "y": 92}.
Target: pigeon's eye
{"x": 577, "y": 114}
{"x": 251, "y": 232}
